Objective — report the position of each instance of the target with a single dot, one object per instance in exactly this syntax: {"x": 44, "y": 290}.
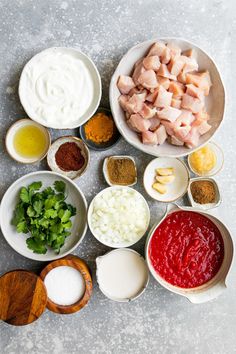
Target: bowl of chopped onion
{"x": 118, "y": 216}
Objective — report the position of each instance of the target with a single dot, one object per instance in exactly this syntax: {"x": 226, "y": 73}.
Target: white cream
{"x": 56, "y": 87}
{"x": 65, "y": 285}
{"x": 122, "y": 274}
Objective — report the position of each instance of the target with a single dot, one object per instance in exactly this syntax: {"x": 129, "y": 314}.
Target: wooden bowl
{"x": 80, "y": 265}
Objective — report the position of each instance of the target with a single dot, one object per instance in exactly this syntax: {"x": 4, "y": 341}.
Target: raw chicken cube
{"x": 164, "y": 72}
{"x": 152, "y": 96}
{"x": 182, "y": 78}
{"x": 163, "y": 98}
{"x": 135, "y": 103}
{"x": 185, "y": 118}
{"x": 138, "y": 70}
{"x": 176, "y": 65}
{"x": 202, "y": 126}
{"x": 201, "y": 80}
{"x": 165, "y": 57}
{"x": 147, "y": 112}
{"x": 125, "y": 84}
{"x": 175, "y": 103}
{"x": 169, "y": 113}
{"x": 188, "y": 53}
{"x": 151, "y": 63}
{"x": 192, "y": 139}
{"x": 169, "y": 126}
{"x": 135, "y": 90}
{"x": 182, "y": 132}
{"x": 148, "y": 79}
{"x": 157, "y": 49}
{"x": 191, "y": 103}
{"x": 123, "y": 99}
{"x": 175, "y": 50}
{"x": 139, "y": 124}
{"x": 177, "y": 89}
{"x": 149, "y": 138}
{"x": 194, "y": 91}
{"x": 202, "y": 115}
{"x": 190, "y": 64}
{"x": 176, "y": 141}
{"x": 161, "y": 134}
{"x": 155, "y": 122}
{"x": 164, "y": 82}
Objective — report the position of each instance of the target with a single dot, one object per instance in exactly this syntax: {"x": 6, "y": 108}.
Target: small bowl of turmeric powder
{"x": 100, "y": 132}
{"x": 203, "y": 193}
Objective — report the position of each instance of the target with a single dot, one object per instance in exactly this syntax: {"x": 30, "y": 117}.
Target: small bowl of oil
{"x": 27, "y": 141}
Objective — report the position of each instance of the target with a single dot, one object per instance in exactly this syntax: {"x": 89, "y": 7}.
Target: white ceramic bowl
{"x": 208, "y": 206}
{"x": 10, "y": 199}
{"x": 177, "y": 188}
{"x": 96, "y": 79}
{"x": 215, "y": 102}
{"x": 90, "y": 212}
{"x": 105, "y": 170}
{"x": 214, "y": 287}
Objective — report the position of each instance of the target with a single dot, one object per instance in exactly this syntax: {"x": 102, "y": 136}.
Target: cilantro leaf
{"x": 60, "y": 186}
{"x": 35, "y": 186}
{"x": 30, "y": 211}
{"x": 50, "y": 213}
{"x": 22, "y": 227}
{"x": 72, "y": 209}
{"x": 24, "y": 195}
{"x": 38, "y": 205}
{"x": 64, "y": 215}
{"x": 18, "y": 214}
{"x": 35, "y": 246}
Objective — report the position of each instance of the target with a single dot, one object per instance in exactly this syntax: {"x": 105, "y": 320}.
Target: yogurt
{"x": 56, "y": 87}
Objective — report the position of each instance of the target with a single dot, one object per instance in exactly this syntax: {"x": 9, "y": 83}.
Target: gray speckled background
{"x": 158, "y": 322}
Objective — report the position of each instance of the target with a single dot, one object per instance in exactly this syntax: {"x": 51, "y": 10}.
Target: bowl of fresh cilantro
{"x": 43, "y": 216}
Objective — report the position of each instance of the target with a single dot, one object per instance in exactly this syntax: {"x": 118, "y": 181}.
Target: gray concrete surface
{"x": 158, "y": 322}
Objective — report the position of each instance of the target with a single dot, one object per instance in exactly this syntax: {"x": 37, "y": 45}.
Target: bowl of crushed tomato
{"x": 190, "y": 252}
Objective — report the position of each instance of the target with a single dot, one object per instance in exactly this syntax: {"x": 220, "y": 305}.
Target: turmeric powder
{"x": 99, "y": 128}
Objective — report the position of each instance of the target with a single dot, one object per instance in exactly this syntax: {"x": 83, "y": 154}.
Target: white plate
{"x": 215, "y": 102}
{"x": 176, "y": 189}
{"x": 96, "y": 83}
{"x": 10, "y": 199}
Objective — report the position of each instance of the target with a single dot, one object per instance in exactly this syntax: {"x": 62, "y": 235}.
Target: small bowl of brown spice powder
{"x": 120, "y": 170}
{"x": 204, "y": 193}
{"x": 69, "y": 156}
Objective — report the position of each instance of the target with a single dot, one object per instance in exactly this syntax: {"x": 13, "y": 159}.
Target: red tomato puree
{"x": 186, "y": 249}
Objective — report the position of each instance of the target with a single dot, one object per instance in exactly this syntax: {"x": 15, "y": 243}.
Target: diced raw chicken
{"x": 123, "y": 99}
{"x": 152, "y": 96}
{"x": 139, "y": 124}
{"x": 175, "y": 103}
{"x": 169, "y": 113}
{"x": 149, "y": 138}
{"x": 161, "y": 134}
{"x": 202, "y": 126}
{"x": 191, "y": 103}
{"x": 157, "y": 49}
{"x": 177, "y": 89}
{"x": 190, "y": 64}
{"x": 138, "y": 70}
{"x": 182, "y": 132}
{"x": 192, "y": 139}
{"x": 174, "y": 50}
{"x": 125, "y": 84}
{"x": 135, "y": 103}
{"x": 152, "y": 62}
{"x": 201, "y": 80}
{"x": 164, "y": 82}
{"x": 176, "y": 141}
{"x": 176, "y": 65}
{"x": 163, "y": 98}
{"x": 148, "y": 79}
{"x": 202, "y": 115}
{"x": 147, "y": 112}
{"x": 188, "y": 53}
{"x": 155, "y": 122}
{"x": 169, "y": 126}
{"x": 186, "y": 118}
{"x": 164, "y": 72}
{"x": 182, "y": 78}
{"x": 165, "y": 57}
{"x": 194, "y": 91}
{"x": 135, "y": 90}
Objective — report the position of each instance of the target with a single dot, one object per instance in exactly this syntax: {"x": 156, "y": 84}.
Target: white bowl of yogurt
{"x": 60, "y": 88}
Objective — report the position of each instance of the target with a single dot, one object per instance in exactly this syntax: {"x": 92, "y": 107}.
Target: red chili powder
{"x": 69, "y": 158}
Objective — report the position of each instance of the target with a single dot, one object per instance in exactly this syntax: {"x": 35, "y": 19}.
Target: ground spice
{"x": 203, "y": 192}
{"x": 69, "y": 158}
{"x": 100, "y": 128}
{"x": 121, "y": 171}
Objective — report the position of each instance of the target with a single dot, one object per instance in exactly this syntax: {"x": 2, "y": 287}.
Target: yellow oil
{"x": 203, "y": 160}
{"x": 30, "y": 141}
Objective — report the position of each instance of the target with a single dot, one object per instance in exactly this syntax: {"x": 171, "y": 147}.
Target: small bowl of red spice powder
{"x": 69, "y": 156}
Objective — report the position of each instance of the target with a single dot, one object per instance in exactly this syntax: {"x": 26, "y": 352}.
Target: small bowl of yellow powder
{"x": 206, "y": 161}
{"x": 100, "y": 132}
